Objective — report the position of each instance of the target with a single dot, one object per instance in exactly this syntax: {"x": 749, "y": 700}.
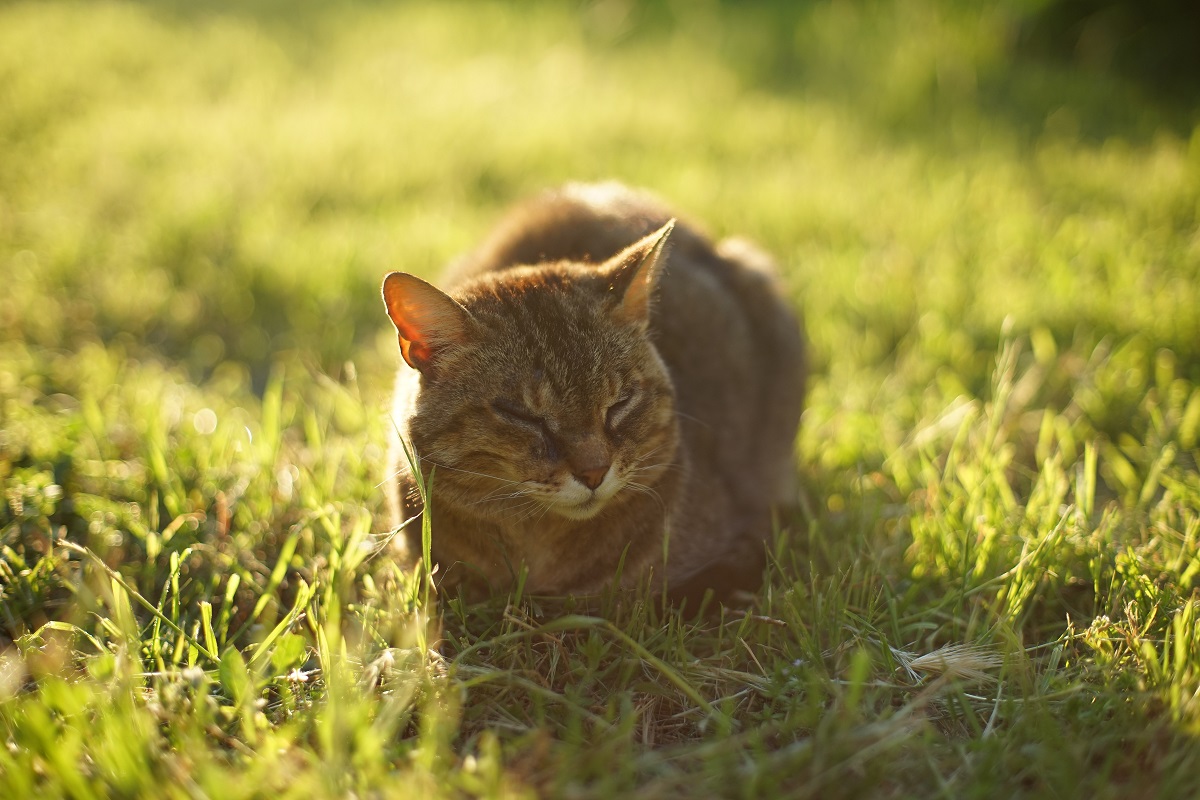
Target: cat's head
{"x": 540, "y": 390}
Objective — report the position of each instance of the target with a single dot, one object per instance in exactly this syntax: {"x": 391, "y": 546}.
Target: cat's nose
{"x": 589, "y": 459}
{"x": 591, "y": 478}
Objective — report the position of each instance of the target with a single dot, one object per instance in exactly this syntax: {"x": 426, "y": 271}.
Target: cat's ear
{"x": 427, "y": 319}
{"x": 634, "y": 271}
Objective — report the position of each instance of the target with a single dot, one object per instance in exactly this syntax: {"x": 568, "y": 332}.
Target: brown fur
{"x": 573, "y": 307}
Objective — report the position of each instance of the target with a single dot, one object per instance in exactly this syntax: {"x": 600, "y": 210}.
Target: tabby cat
{"x": 602, "y": 396}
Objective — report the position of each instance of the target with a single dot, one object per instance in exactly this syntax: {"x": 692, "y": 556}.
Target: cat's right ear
{"x": 427, "y": 319}
{"x": 634, "y": 272}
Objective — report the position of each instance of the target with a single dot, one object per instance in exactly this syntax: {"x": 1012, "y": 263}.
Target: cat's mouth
{"x": 574, "y": 502}
{"x": 570, "y": 498}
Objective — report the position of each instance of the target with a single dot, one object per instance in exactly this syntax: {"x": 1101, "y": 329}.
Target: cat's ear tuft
{"x": 427, "y": 319}
{"x": 634, "y": 272}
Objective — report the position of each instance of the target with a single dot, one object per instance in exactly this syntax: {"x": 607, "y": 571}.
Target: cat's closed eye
{"x": 617, "y": 412}
{"x": 515, "y": 413}
{"x": 524, "y": 418}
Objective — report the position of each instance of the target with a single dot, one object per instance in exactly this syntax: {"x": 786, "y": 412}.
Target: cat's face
{"x": 540, "y": 393}
{"x": 537, "y": 416}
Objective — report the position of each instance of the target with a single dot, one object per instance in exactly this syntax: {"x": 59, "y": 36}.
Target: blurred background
{"x": 223, "y": 185}
{"x": 988, "y": 212}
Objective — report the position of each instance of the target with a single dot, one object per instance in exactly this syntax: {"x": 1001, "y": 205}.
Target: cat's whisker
{"x": 429, "y": 459}
{"x": 401, "y": 471}
{"x": 545, "y": 510}
{"x": 644, "y": 489}
{"x": 493, "y": 498}
{"x": 513, "y": 514}
{"x": 469, "y": 472}
{"x": 527, "y": 510}
{"x": 649, "y": 453}
{"x": 696, "y": 420}
{"x": 662, "y": 467}
{"x": 519, "y": 491}
{"x": 638, "y": 464}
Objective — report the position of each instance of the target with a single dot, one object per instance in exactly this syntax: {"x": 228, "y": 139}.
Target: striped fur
{"x": 593, "y": 382}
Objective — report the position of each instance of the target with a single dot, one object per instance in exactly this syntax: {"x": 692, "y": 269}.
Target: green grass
{"x": 998, "y": 261}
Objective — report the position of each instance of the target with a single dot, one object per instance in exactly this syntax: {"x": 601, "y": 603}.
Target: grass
{"x": 992, "y": 586}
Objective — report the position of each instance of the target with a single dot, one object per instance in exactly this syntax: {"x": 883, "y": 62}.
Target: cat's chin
{"x": 580, "y": 511}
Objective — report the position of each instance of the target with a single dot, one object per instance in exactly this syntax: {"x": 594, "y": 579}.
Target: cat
{"x": 602, "y": 397}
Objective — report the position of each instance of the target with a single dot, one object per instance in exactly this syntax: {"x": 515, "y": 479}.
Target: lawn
{"x": 990, "y": 588}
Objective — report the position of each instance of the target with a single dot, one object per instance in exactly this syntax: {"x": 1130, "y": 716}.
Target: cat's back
{"x": 577, "y": 222}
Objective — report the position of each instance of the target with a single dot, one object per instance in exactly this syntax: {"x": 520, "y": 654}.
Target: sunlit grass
{"x": 990, "y": 587}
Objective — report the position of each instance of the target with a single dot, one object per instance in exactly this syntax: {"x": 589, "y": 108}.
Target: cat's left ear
{"x": 427, "y": 319}
{"x": 634, "y": 271}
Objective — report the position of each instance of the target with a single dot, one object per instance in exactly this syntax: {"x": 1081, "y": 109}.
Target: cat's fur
{"x": 587, "y": 344}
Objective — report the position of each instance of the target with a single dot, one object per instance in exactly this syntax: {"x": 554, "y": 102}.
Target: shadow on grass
{"x": 1095, "y": 69}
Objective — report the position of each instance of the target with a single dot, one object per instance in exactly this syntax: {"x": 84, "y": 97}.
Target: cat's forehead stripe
{"x": 550, "y": 333}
